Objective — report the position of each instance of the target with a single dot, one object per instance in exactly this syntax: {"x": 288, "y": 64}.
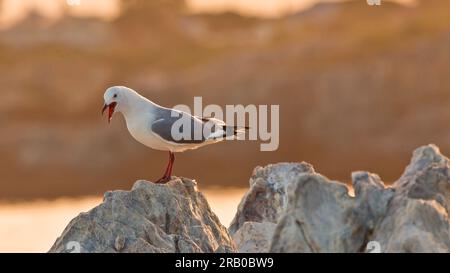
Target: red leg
{"x": 172, "y": 160}
{"x": 168, "y": 171}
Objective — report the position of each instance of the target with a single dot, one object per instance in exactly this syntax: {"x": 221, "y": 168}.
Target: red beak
{"x": 111, "y": 108}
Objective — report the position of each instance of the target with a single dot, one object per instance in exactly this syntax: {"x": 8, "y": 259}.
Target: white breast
{"x": 139, "y": 128}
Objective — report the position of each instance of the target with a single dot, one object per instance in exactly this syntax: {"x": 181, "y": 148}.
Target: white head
{"x": 117, "y": 99}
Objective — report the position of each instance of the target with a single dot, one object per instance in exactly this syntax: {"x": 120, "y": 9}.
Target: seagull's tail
{"x": 234, "y": 130}
{"x": 221, "y": 130}
{"x": 227, "y": 131}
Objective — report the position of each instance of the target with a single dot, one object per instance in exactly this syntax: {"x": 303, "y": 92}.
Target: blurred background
{"x": 359, "y": 87}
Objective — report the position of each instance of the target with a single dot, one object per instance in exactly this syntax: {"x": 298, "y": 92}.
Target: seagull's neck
{"x": 137, "y": 105}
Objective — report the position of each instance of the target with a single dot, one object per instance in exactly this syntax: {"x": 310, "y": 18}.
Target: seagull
{"x": 156, "y": 126}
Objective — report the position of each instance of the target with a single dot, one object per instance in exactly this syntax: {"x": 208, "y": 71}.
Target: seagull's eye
{"x": 115, "y": 96}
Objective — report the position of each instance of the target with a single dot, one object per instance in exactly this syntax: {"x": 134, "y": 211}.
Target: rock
{"x": 267, "y": 198}
{"x": 417, "y": 217}
{"x": 174, "y": 217}
{"x": 254, "y": 237}
{"x": 288, "y": 208}
{"x": 314, "y": 214}
{"x": 321, "y": 216}
{"x": 371, "y": 199}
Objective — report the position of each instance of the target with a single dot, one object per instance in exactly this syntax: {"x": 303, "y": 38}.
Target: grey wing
{"x": 180, "y": 128}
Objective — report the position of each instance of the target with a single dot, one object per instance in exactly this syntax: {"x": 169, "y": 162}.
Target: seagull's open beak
{"x": 111, "y": 108}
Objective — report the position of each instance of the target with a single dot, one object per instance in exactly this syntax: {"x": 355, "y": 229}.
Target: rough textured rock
{"x": 322, "y": 217}
{"x": 314, "y": 214}
{"x": 174, "y": 217}
{"x": 267, "y": 198}
{"x": 417, "y": 217}
{"x": 254, "y": 237}
{"x": 288, "y": 208}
